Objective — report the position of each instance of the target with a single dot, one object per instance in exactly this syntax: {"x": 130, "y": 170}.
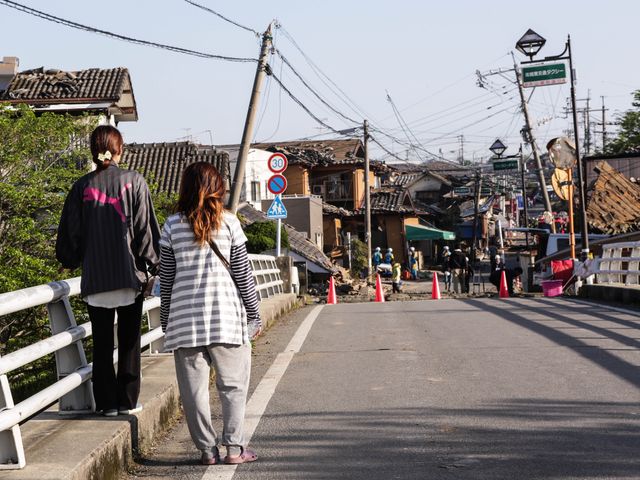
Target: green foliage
{"x": 262, "y": 236}
{"x": 628, "y": 138}
{"x": 359, "y": 257}
{"x": 40, "y": 158}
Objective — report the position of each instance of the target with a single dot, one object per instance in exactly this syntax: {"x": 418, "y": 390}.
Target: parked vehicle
{"x": 557, "y": 242}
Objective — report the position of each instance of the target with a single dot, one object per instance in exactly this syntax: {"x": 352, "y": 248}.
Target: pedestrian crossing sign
{"x": 277, "y": 210}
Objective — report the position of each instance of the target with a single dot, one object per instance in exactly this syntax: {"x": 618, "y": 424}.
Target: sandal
{"x": 245, "y": 457}
{"x": 210, "y": 458}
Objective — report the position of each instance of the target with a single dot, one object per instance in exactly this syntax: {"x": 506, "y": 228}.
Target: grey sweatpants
{"x": 232, "y": 364}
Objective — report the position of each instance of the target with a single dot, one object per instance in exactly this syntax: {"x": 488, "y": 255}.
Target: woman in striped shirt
{"x": 209, "y": 310}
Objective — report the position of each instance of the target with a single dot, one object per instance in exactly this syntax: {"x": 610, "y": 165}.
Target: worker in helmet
{"x": 413, "y": 263}
{"x": 377, "y": 258}
{"x": 388, "y": 258}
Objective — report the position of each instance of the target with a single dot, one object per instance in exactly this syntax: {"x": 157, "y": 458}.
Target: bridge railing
{"x": 620, "y": 263}
{"x": 71, "y": 390}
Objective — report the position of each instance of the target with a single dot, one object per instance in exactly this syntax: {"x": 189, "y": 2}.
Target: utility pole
{"x": 476, "y": 209}
{"x": 587, "y": 125}
{"x": 604, "y": 126}
{"x": 581, "y": 173}
{"x": 238, "y": 177}
{"x": 532, "y": 141}
{"x": 367, "y": 198}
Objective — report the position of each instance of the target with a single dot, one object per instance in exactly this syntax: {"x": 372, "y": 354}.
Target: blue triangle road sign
{"x": 277, "y": 210}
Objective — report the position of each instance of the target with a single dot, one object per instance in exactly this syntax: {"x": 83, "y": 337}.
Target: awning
{"x": 420, "y": 232}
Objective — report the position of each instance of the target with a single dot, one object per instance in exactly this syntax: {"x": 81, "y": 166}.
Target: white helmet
{"x": 413, "y": 249}
{"x": 377, "y": 249}
{"x": 390, "y": 250}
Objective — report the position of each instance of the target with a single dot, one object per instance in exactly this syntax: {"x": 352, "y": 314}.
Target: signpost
{"x": 277, "y": 184}
{"x": 462, "y": 190}
{"x": 500, "y": 165}
{"x": 544, "y": 74}
{"x": 277, "y": 163}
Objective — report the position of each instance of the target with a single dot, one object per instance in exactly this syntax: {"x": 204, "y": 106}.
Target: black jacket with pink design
{"x": 109, "y": 228}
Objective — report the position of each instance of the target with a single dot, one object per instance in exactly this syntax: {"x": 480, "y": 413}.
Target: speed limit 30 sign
{"x": 277, "y": 162}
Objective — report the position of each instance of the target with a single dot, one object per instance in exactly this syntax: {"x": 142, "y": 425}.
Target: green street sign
{"x": 485, "y": 191}
{"x": 500, "y": 165}
{"x": 462, "y": 190}
{"x": 544, "y": 74}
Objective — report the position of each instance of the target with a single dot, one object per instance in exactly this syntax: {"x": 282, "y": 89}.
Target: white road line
{"x": 264, "y": 391}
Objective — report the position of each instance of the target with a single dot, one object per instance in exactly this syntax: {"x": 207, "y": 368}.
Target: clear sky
{"x": 423, "y": 53}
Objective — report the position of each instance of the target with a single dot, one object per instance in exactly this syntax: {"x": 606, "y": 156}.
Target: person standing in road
{"x": 209, "y": 311}
{"x": 109, "y": 228}
{"x": 377, "y": 259}
{"x": 396, "y": 277}
{"x": 458, "y": 264}
{"x": 388, "y": 257}
{"x": 446, "y": 268}
{"x": 413, "y": 263}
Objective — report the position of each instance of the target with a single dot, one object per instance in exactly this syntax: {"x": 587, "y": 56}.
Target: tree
{"x": 40, "y": 158}
{"x": 628, "y": 139}
{"x": 262, "y": 237}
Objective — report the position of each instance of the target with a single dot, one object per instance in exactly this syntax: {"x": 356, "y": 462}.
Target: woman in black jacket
{"x": 108, "y": 227}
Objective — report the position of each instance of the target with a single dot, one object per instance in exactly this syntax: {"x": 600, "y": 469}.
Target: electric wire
{"x": 303, "y": 106}
{"x": 316, "y": 94}
{"x": 79, "y": 26}
{"x": 207, "y": 9}
{"x": 325, "y": 79}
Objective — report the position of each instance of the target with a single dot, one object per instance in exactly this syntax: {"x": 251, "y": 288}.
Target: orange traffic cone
{"x": 435, "y": 288}
{"x": 504, "y": 290}
{"x": 379, "y": 292}
{"x": 331, "y": 297}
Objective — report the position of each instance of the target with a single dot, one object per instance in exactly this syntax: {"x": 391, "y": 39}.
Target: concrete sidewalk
{"x": 95, "y": 447}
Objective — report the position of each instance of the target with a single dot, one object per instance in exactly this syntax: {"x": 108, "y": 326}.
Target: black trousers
{"x": 121, "y": 390}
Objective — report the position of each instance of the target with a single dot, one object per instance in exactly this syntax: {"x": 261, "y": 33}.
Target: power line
{"x": 302, "y": 105}
{"x": 317, "y": 95}
{"x": 79, "y": 26}
{"x": 344, "y": 98}
{"x": 223, "y": 17}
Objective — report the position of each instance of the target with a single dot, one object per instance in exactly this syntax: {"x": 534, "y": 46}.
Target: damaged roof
{"x": 322, "y": 153}
{"x": 614, "y": 205}
{"x": 163, "y": 163}
{"x": 298, "y": 241}
{"x": 91, "y": 89}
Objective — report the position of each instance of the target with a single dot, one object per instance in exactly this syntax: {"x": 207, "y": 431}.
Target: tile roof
{"x": 614, "y": 205}
{"x": 390, "y": 200}
{"x": 298, "y": 241}
{"x": 163, "y": 163}
{"x": 321, "y": 153}
{"x": 95, "y": 85}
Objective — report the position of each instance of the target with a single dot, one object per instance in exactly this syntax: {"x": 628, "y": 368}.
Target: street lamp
{"x": 530, "y": 44}
{"x": 498, "y": 148}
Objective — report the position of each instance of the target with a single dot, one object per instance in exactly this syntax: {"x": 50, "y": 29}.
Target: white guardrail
{"x": 620, "y": 263}
{"x": 72, "y": 391}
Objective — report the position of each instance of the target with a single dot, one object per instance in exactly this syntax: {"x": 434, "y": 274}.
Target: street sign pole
{"x": 278, "y": 227}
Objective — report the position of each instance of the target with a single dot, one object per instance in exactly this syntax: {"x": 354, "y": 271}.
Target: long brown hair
{"x": 201, "y": 194}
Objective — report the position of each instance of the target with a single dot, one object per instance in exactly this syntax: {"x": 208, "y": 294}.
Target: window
{"x": 255, "y": 191}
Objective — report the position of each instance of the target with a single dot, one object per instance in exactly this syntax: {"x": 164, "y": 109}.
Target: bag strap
{"x": 222, "y": 258}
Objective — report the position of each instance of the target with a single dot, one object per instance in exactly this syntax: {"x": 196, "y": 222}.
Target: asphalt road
{"x": 452, "y": 389}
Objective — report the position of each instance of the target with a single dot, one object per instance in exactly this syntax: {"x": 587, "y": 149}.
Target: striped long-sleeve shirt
{"x": 200, "y": 303}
